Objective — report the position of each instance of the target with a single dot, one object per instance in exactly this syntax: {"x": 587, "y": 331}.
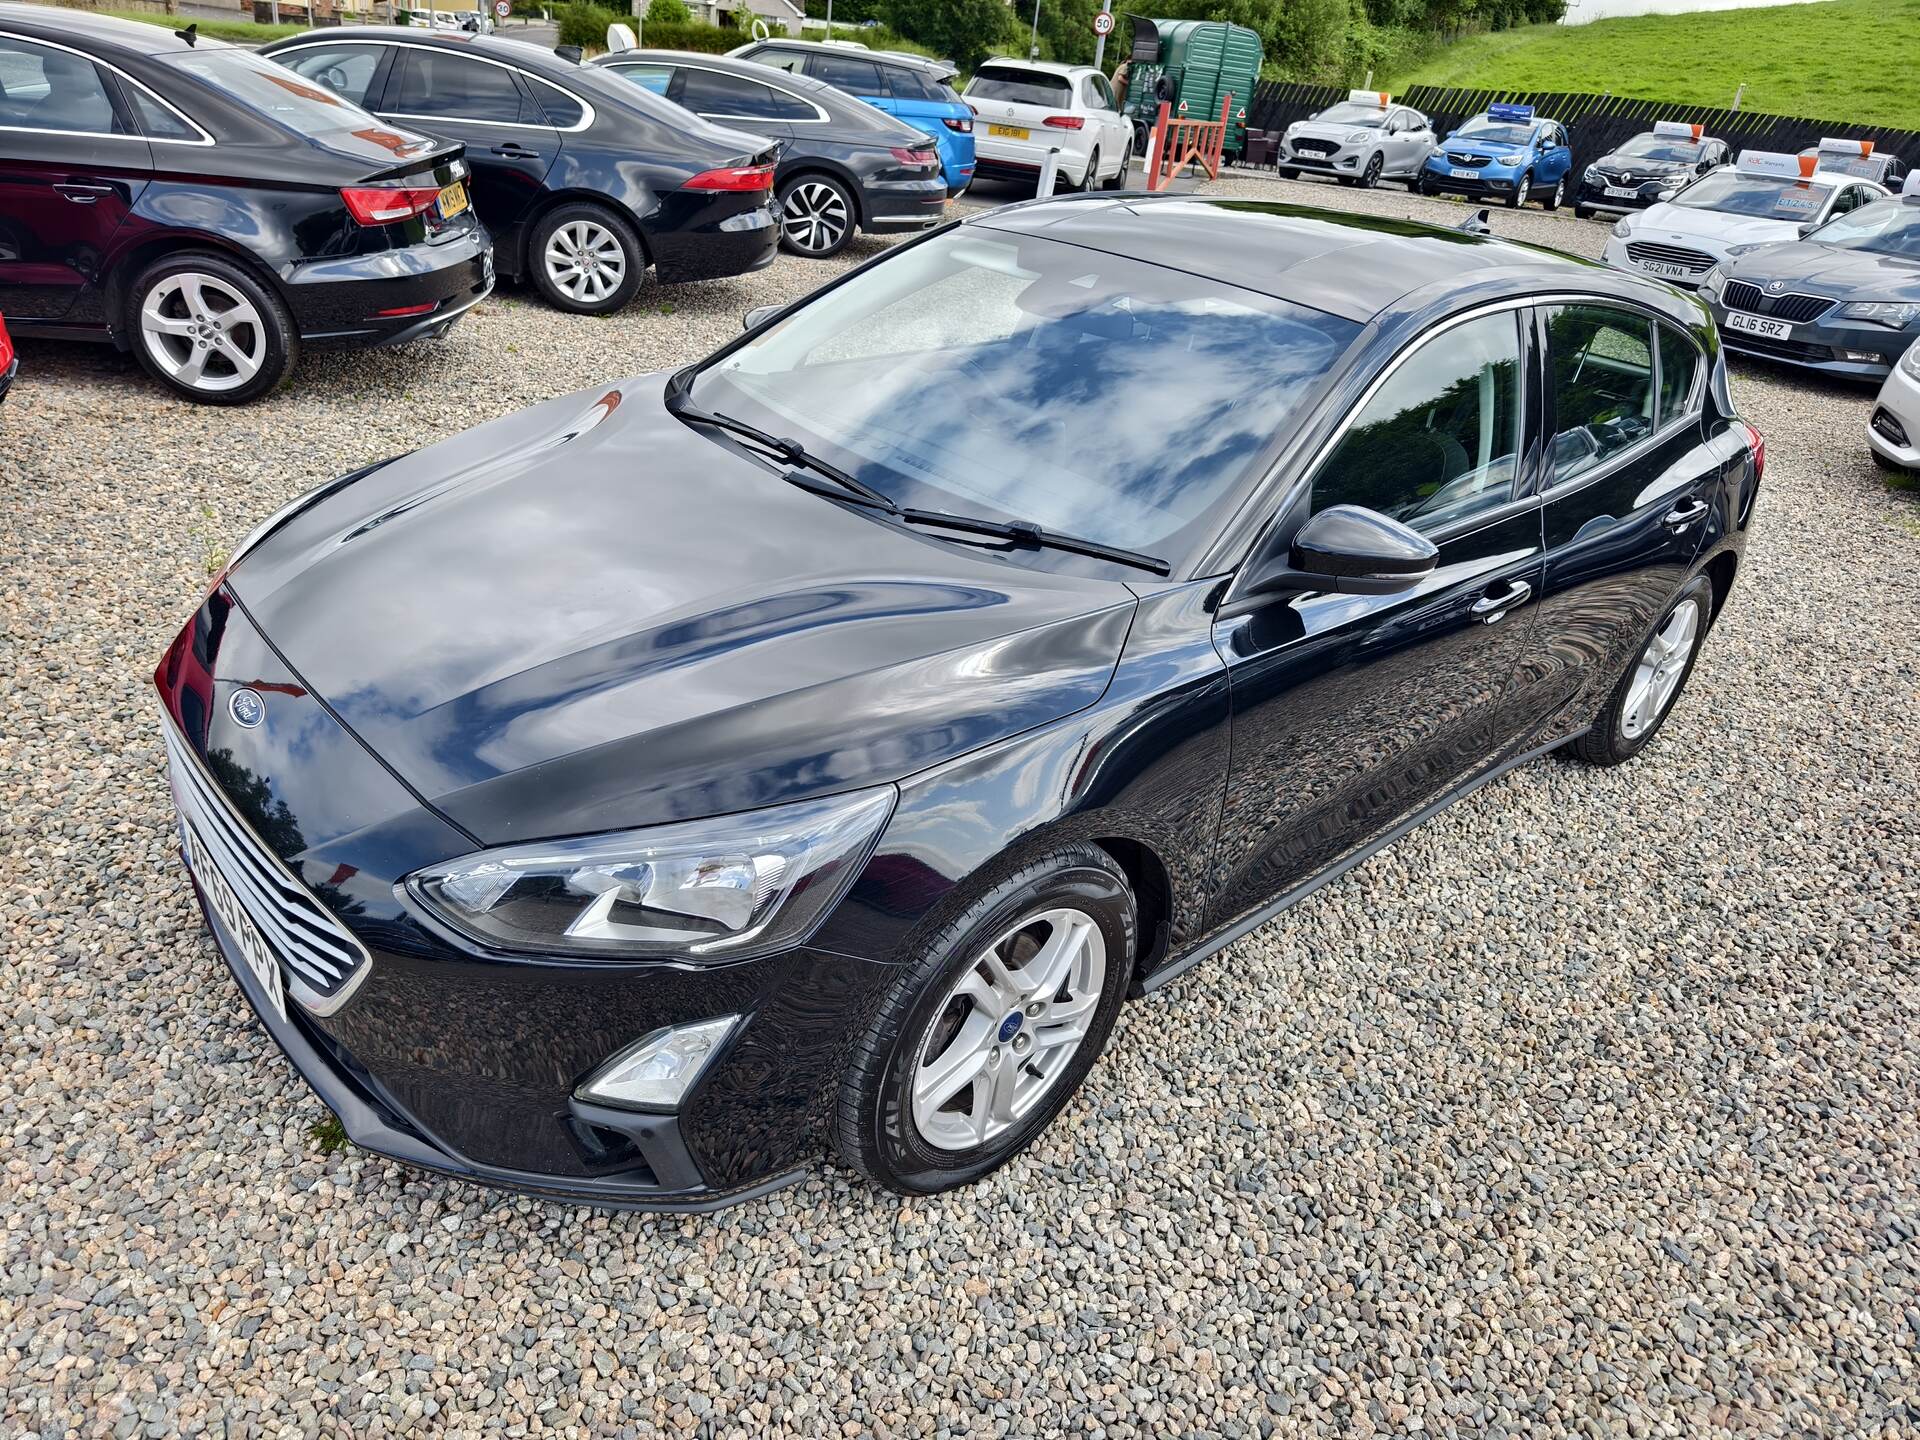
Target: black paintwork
{"x": 590, "y": 616}
{"x": 633, "y": 154}
{"x": 82, "y": 214}
{"x": 854, "y": 144}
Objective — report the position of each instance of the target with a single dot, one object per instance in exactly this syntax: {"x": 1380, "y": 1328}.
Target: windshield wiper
{"x": 782, "y": 448}
{"x": 857, "y": 492}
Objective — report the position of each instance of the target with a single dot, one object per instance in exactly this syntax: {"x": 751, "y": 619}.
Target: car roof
{"x": 745, "y": 69}
{"x": 100, "y": 33}
{"x": 1050, "y": 67}
{"x": 860, "y": 52}
{"x": 1350, "y": 265}
{"x": 495, "y": 47}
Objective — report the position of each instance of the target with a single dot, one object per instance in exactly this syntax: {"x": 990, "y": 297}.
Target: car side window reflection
{"x": 1440, "y": 440}
{"x": 347, "y": 70}
{"x": 1602, "y": 373}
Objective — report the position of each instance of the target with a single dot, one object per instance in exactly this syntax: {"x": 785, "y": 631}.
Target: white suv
{"x": 1024, "y": 108}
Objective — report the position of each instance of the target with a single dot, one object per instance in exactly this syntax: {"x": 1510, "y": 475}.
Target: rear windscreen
{"x": 1020, "y": 87}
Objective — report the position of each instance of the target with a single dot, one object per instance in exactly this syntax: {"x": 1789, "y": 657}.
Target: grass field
{"x": 1852, "y": 60}
{"x": 244, "y": 32}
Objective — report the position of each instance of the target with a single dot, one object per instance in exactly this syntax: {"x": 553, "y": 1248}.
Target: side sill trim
{"x": 1240, "y": 929}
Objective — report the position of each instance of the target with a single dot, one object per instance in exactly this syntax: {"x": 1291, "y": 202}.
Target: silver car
{"x": 1363, "y": 140}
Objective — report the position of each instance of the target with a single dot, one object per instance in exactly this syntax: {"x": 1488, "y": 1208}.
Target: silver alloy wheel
{"x": 815, "y": 216}
{"x": 585, "y": 261}
{"x": 1559, "y": 193}
{"x": 1375, "y": 164}
{"x": 1656, "y": 675}
{"x": 203, "y": 332}
{"x": 1008, "y": 1029}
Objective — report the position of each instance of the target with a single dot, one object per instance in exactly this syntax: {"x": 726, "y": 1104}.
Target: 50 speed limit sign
{"x": 1103, "y": 23}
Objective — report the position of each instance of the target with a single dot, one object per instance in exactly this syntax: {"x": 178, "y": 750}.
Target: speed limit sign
{"x": 1103, "y": 23}
{"x": 503, "y": 8}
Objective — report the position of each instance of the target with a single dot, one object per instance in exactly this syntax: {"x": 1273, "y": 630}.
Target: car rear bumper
{"x": 341, "y": 301}
{"x": 894, "y": 206}
{"x": 709, "y": 237}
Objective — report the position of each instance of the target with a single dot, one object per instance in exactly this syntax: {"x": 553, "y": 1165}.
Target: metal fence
{"x": 1597, "y": 124}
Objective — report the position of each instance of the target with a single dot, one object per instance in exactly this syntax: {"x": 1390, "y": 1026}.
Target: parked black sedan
{"x": 844, "y": 166}
{"x": 1648, "y": 168}
{"x": 1844, "y": 299}
{"x": 200, "y": 206}
{"x": 583, "y": 179}
{"x": 819, "y": 744}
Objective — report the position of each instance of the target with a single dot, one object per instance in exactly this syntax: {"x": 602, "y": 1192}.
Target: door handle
{"x": 1685, "y": 515}
{"x": 83, "y": 194}
{"x": 516, "y": 152}
{"x": 1494, "y": 607}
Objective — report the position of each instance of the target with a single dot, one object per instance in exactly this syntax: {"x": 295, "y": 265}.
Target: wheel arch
{"x": 553, "y": 200}
{"x": 1720, "y": 571}
{"x": 149, "y": 248}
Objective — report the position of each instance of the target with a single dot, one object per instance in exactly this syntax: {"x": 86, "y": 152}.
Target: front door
{"x": 71, "y": 168}
{"x": 1351, "y": 712}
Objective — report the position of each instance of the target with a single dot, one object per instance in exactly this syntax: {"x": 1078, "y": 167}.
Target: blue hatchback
{"x": 911, "y": 88}
{"x": 1506, "y": 154}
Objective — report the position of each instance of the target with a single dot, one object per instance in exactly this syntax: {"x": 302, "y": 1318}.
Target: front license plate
{"x": 1460, "y": 172}
{"x": 254, "y": 950}
{"x": 1010, "y": 132}
{"x": 1759, "y": 325}
{"x": 1666, "y": 270}
{"x": 453, "y": 200}
{"x": 1623, "y": 192}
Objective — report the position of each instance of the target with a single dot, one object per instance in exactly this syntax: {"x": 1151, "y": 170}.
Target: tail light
{"x": 384, "y": 204}
{"x": 927, "y": 159}
{"x": 962, "y": 127}
{"x": 1757, "y": 443}
{"x": 1064, "y": 122}
{"x": 732, "y": 178}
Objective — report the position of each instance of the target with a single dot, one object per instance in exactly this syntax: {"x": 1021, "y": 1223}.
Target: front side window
{"x": 1602, "y": 378}
{"x": 453, "y": 87}
{"x": 791, "y": 61}
{"x": 346, "y": 70}
{"x": 44, "y": 89}
{"x": 1025, "y": 379}
{"x": 709, "y": 93}
{"x": 1440, "y": 440}
{"x": 1678, "y": 363}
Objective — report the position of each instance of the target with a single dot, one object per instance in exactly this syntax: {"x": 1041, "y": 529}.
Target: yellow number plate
{"x": 453, "y": 200}
{"x": 1012, "y": 132}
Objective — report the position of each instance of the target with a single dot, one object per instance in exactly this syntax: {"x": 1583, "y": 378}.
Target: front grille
{"x": 1794, "y": 309}
{"x": 324, "y": 961}
{"x": 1471, "y": 161}
{"x": 1322, "y": 148}
{"x": 1640, "y": 251}
{"x": 1884, "y": 422}
{"x": 1780, "y": 349}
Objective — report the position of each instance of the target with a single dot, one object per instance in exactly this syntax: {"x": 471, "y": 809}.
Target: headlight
{"x": 1591, "y": 174}
{"x": 1622, "y": 229}
{"x": 1897, "y": 313}
{"x": 720, "y": 889}
{"x": 1734, "y": 252}
{"x": 1359, "y": 137}
{"x": 1710, "y": 283}
{"x": 1294, "y": 126}
{"x": 1910, "y": 362}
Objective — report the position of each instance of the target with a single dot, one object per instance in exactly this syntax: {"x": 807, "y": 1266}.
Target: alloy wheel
{"x": 585, "y": 261}
{"x": 203, "y": 332}
{"x": 1008, "y": 1029}
{"x": 815, "y": 218}
{"x": 1372, "y": 177}
{"x": 1658, "y": 672}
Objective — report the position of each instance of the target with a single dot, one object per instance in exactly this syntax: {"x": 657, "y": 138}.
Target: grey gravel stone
{"x": 1587, "y": 1109}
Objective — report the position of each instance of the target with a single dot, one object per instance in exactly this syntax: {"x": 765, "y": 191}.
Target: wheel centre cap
{"x": 1010, "y": 1026}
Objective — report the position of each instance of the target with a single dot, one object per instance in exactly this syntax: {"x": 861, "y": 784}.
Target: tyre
{"x": 1582, "y": 212}
{"x": 1559, "y": 195}
{"x": 1119, "y": 180}
{"x": 1088, "y": 181}
{"x": 1644, "y": 698}
{"x": 207, "y": 329}
{"x": 586, "y": 259}
{"x": 817, "y": 216}
{"x": 1286, "y": 172}
{"x": 1887, "y": 463}
{"x": 1421, "y": 185}
{"x": 1521, "y": 191}
{"x": 986, "y": 1036}
{"x": 1370, "y": 176}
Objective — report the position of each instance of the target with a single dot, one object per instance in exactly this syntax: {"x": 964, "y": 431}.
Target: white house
{"x": 780, "y": 15}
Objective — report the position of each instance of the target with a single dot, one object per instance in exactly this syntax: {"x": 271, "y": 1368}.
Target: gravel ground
{"x": 1587, "y": 1109}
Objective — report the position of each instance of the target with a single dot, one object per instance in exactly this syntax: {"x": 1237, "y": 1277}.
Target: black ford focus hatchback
{"x": 815, "y": 747}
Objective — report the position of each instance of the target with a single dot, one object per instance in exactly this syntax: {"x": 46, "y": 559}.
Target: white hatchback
{"x": 1024, "y": 108}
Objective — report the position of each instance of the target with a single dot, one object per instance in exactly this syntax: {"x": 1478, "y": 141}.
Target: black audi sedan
{"x": 584, "y": 180}
{"x": 1648, "y": 168}
{"x": 844, "y": 167}
{"x": 1844, "y": 299}
{"x": 814, "y": 747}
{"x": 199, "y": 206}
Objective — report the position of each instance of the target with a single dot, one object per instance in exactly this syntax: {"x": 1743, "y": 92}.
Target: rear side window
{"x": 728, "y": 97}
{"x": 1440, "y": 440}
{"x": 1019, "y": 87}
{"x": 843, "y": 72}
{"x": 1602, "y": 384}
{"x": 453, "y": 87}
{"x": 794, "y": 62}
{"x": 910, "y": 84}
{"x": 347, "y": 70}
{"x": 43, "y": 89}
{"x": 1679, "y": 362}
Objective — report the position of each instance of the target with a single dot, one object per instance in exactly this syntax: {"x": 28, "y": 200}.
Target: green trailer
{"x": 1203, "y": 62}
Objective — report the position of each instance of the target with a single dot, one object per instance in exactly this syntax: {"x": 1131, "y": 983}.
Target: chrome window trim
{"x": 587, "y": 113}
{"x": 820, "y": 116}
{"x": 145, "y": 89}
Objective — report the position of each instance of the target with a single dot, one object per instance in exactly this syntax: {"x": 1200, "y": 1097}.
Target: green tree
{"x": 669, "y": 12}
{"x": 965, "y": 31}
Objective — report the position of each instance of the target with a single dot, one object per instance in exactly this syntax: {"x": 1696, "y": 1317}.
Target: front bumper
{"x": 1686, "y": 273}
{"x": 6, "y": 376}
{"x": 1593, "y": 196}
{"x": 1347, "y": 160}
{"x": 1487, "y": 183}
{"x": 1849, "y": 349}
{"x": 1896, "y": 414}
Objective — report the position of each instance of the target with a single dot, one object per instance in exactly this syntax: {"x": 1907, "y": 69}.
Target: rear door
{"x": 71, "y": 167}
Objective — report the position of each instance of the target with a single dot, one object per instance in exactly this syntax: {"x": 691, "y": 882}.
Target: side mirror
{"x": 1349, "y": 549}
{"x": 758, "y": 316}
{"x": 1808, "y": 228}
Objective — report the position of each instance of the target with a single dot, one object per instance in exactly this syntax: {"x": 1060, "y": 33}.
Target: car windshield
{"x": 1347, "y": 113}
{"x": 1886, "y": 227}
{"x": 1018, "y": 378}
{"x": 1765, "y": 197}
{"x": 1020, "y": 87}
{"x": 1652, "y": 147}
{"x": 1499, "y": 134}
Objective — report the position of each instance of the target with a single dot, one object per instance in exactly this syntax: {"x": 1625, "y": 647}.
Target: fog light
{"x": 655, "y": 1072}
{"x": 1863, "y": 357}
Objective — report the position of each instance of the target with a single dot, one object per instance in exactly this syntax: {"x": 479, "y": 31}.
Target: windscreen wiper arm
{"x": 787, "y": 451}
